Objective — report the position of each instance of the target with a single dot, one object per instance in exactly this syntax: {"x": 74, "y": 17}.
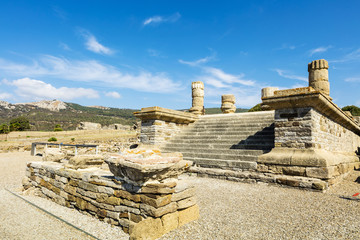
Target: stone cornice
{"x": 169, "y": 115}
{"x": 308, "y": 97}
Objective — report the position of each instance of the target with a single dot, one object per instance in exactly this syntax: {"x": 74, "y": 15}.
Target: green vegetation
{"x": 52, "y": 139}
{"x": 355, "y": 111}
{"x": 19, "y": 124}
{"x": 44, "y": 120}
{"x": 73, "y": 139}
{"x": 57, "y": 128}
{"x": 256, "y": 108}
{"x": 4, "y": 128}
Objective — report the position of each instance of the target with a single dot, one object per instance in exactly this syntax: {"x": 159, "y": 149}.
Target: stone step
{"x": 224, "y": 141}
{"x": 239, "y": 134}
{"x": 190, "y": 149}
{"x": 231, "y": 126}
{"x": 245, "y": 130}
{"x": 222, "y": 145}
{"x": 224, "y": 164}
{"x": 222, "y": 155}
{"x": 234, "y": 138}
{"x": 258, "y": 115}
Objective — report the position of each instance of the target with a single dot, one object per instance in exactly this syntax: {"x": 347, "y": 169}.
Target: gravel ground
{"x": 228, "y": 210}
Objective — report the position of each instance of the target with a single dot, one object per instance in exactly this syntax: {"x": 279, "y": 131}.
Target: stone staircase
{"x": 227, "y": 141}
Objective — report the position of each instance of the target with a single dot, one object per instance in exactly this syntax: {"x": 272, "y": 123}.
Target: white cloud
{"x": 5, "y": 95}
{"x": 160, "y": 19}
{"x": 155, "y": 53}
{"x": 91, "y": 71}
{"x": 218, "y": 82}
{"x": 113, "y": 94}
{"x": 319, "y": 50}
{"x": 39, "y": 90}
{"x": 93, "y": 45}
{"x": 352, "y": 79}
{"x": 352, "y": 56}
{"x": 284, "y": 74}
{"x": 64, "y": 46}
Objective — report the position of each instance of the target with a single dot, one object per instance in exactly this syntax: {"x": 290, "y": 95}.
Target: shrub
{"x": 73, "y": 139}
{"x": 58, "y": 129}
{"x": 19, "y": 124}
{"x": 256, "y": 108}
{"x": 4, "y": 129}
{"x": 355, "y": 111}
{"x": 52, "y": 139}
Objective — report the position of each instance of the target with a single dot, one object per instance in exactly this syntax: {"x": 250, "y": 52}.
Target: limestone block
{"x": 53, "y": 155}
{"x": 160, "y": 201}
{"x": 88, "y": 160}
{"x": 319, "y": 76}
{"x": 170, "y": 221}
{"x": 148, "y": 229}
{"x": 183, "y": 194}
{"x": 158, "y": 212}
{"x": 322, "y": 172}
{"x": 268, "y": 92}
{"x": 188, "y": 215}
{"x": 187, "y": 202}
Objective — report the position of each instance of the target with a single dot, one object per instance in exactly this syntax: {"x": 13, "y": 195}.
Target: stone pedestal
{"x": 228, "y": 103}
{"x": 267, "y": 92}
{"x": 158, "y": 124}
{"x": 197, "y": 89}
{"x": 144, "y": 195}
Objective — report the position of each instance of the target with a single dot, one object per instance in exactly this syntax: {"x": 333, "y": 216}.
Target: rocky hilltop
{"x": 44, "y": 115}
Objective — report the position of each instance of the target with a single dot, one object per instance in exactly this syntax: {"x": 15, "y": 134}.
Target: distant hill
{"x": 44, "y": 115}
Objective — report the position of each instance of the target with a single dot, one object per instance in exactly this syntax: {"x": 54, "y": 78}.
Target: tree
{"x": 19, "y": 124}
{"x": 355, "y": 111}
{"x": 4, "y": 128}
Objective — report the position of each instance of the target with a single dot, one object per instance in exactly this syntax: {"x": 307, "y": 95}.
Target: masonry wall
{"x": 161, "y": 207}
{"x": 307, "y": 128}
{"x": 158, "y": 132}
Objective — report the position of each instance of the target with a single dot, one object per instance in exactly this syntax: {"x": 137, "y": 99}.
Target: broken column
{"x": 228, "y": 103}
{"x": 265, "y": 93}
{"x": 319, "y": 76}
{"x": 197, "y": 98}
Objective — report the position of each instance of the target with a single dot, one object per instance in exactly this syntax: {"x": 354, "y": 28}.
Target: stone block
{"x": 188, "y": 215}
{"x": 127, "y": 195}
{"x": 156, "y": 202}
{"x": 170, "y": 221}
{"x": 322, "y": 172}
{"x": 158, "y": 212}
{"x": 183, "y": 194}
{"x": 148, "y": 229}
{"x": 113, "y": 201}
{"x": 185, "y": 203}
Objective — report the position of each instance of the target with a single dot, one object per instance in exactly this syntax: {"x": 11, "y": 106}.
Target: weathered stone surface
{"x": 183, "y": 194}
{"x": 319, "y": 76}
{"x": 197, "y": 89}
{"x": 113, "y": 201}
{"x": 228, "y": 103}
{"x": 170, "y": 221}
{"x": 322, "y": 172}
{"x": 148, "y": 229}
{"x": 268, "y": 92}
{"x": 188, "y": 215}
{"x": 185, "y": 203}
{"x": 158, "y": 212}
{"x": 127, "y": 195}
{"x": 84, "y": 161}
{"x": 53, "y": 155}
{"x": 156, "y": 202}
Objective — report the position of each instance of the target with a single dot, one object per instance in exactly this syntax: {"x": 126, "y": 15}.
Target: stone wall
{"x": 145, "y": 212}
{"x": 158, "y": 132}
{"x": 308, "y": 128}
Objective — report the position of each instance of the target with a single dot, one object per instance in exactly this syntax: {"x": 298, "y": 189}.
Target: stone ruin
{"x": 141, "y": 192}
{"x": 309, "y": 142}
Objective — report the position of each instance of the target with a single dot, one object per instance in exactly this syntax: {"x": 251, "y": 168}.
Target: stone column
{"x": 197, "y": 98}
{"x": 319, "y": 76}
{"x": 228, "y": 103}
{"x": 265, "y": 93}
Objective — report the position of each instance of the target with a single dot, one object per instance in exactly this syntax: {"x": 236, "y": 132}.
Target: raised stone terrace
{"x": 227, "y": 141}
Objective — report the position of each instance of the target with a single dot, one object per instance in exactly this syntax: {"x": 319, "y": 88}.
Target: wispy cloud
{"x": 113, "y": 94}
{"x": 319, "y": 50}
{"x": 197, "y": 62}
{"x": 5, "y": 95}
{"x": 352, "y": 79}
{"x": 91, "y": 71}
{"x": 64, "y": 46}
{"x": 283, "y": 73}
{"x": 218, "y": 82}
{"x": 38, "y": 90}
{"x": 287, "y": 46}
{"x": 60, "y": 13}
{"x": 93, "y": 45}
{"x": 352, "y": 56}
{"x": 155, "y": 53}
{"x": 160, "y": 19}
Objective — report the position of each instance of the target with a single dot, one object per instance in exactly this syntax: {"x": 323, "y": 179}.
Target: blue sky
{"x": 133, "y": 54}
